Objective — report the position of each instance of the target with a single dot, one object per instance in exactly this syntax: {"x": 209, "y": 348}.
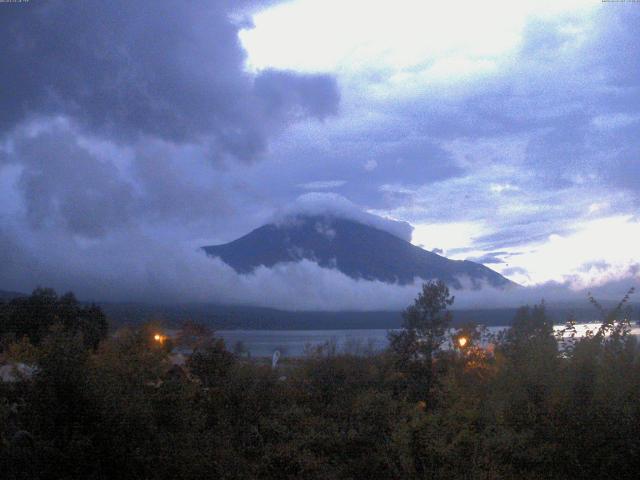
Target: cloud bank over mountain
{"x": 135, "y": 266}
{"x": 332, "y": 204}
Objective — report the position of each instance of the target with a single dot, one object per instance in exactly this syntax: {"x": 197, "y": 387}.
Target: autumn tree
{"x": 424, "y": 329}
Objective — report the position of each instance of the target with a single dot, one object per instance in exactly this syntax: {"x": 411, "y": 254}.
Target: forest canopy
{"x": 520, "y": 405}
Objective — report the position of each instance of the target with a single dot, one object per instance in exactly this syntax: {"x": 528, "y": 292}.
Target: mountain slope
{"x": 355, "y": 249}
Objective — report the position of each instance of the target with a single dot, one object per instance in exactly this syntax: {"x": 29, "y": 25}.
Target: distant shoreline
{"x": 220, "y": 317}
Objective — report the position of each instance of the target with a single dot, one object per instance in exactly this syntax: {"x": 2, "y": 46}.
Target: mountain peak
{"x": 357, "y": 249}
{"x": 332, "y": 205}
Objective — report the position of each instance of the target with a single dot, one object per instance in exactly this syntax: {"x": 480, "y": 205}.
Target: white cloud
{"x": 322, "y": 184}
{"x": 614, "y": 120}
{"x": 370, "y": 165}
{"x": 447, "y": 236}
{"x": 502, "y": 187}
{"x": 597, "y": 207}
{"x": 316, "y": 203}
{"x": 597, "y": 252}
{"x": 413, "y": 41}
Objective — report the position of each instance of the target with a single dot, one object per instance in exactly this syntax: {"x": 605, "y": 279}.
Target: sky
{"x": 131, "y": 133}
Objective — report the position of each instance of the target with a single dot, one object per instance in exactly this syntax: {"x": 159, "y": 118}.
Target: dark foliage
{"x": 425, "y": 327}
{"x": 518, "y": 407}
{"x": 35, "y": 315}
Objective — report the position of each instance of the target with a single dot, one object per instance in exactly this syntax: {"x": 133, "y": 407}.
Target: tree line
{"x": 120, "y": 405}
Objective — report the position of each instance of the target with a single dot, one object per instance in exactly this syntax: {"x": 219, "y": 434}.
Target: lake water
{"x": 293, "y": 343}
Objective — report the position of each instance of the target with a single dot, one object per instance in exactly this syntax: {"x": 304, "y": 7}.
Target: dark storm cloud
{"x": 64, "y": 184}
{"x": 67, "y": 181}
{"x": 384, "y": 152}
{"x": 115, "y": 107}
{"x": 174, "y": 184}
{"x": 164, "y": 69}
{"x": 287, "y": 93}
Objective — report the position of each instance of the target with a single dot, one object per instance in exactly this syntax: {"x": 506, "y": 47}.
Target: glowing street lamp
{"x": 462, "y": 342}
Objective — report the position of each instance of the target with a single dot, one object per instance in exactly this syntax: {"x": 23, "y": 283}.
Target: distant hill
{"x": 227, "y": 317}
{"x": 221, "y": 317}
{"x": 355, "y": 249}
{"x": 6, "y": 296}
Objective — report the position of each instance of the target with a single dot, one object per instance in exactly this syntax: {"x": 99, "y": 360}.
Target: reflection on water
{"x": 292, "y": 343}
